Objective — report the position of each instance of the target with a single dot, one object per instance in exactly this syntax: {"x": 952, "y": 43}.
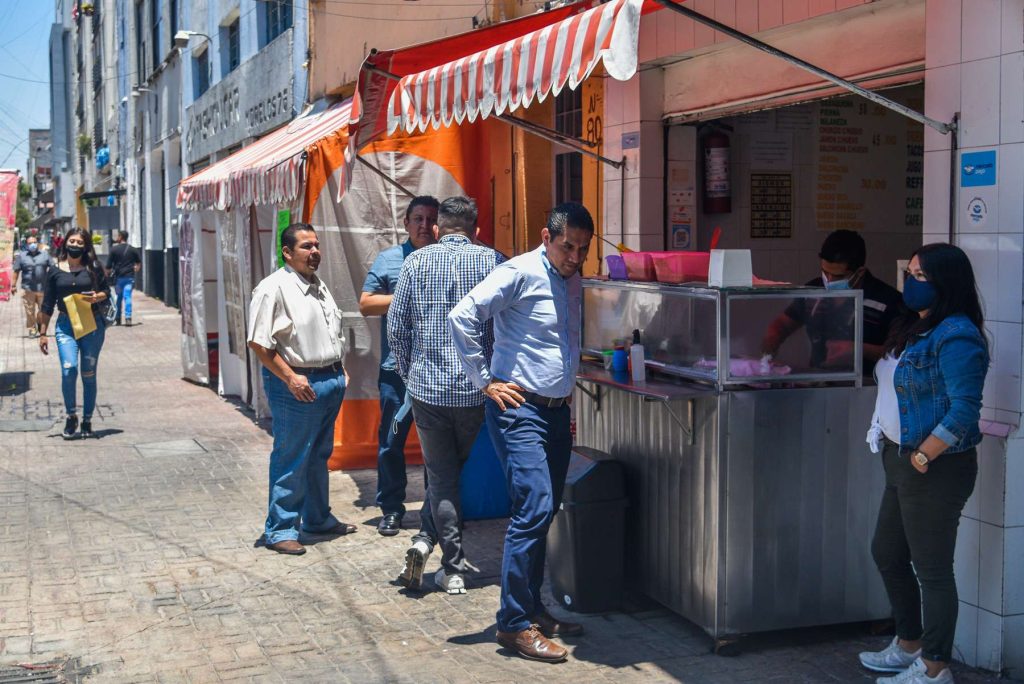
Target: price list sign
{"x": 771, "y": 205}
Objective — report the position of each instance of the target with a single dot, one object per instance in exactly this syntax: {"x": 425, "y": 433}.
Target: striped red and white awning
{"x": 513, "y": 74}
{"x": 272, "y": 169}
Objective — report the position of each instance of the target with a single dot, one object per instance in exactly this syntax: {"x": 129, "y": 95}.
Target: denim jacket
{"x": 939, "y": 382}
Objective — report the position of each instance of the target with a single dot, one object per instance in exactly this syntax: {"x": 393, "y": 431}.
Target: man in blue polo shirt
{"x": 378, "y": 290}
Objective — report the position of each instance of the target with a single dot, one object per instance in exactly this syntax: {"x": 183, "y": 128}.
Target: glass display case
{"x": 731, "y": 337}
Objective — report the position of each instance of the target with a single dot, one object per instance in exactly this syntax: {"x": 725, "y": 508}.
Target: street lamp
{"x": 138, "y": 90}
{"x": 181, "y": 38}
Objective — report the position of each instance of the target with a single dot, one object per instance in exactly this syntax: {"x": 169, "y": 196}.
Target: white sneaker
{"x": 415, "y": 561}
{"x": 892, "y": 659}
{"x": 917, "y": 673}
{"x": 453, "y": 583}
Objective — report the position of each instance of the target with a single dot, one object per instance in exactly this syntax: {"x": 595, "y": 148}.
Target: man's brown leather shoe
{"x": 533, "y": 645}
{"x": 552, "y": 627}
{"x": 288, "y": 546}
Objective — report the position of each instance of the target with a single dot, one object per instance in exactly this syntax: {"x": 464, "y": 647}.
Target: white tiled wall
{"x": 1010, "y": 160}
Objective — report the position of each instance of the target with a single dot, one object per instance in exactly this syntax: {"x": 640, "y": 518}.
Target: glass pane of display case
{"x": 812, "y": 334}
{"x": 678, "y": 327}
{"x": 797, "y": 334}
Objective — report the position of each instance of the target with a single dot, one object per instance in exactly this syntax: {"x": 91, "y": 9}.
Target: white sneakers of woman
{"x": 453, "y": 583}
{"x": 892, "y": 659}
{"x": 917, "y": 673}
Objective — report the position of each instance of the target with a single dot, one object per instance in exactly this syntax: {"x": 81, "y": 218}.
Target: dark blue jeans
{"x": 303, "y": 442}
{"x": 81, "y": 354}
{"x": 391, "y": 437}
{"x": 533, "y": 444}
{"x": 123, "y": 289}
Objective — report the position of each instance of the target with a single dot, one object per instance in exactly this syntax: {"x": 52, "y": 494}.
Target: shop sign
{"x": 771, "y": 205}
{"x": 252, "y": 100}
{"x": 978, "y": 169}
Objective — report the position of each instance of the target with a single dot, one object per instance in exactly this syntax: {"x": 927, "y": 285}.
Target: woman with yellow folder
{"x": 79, "y": 290}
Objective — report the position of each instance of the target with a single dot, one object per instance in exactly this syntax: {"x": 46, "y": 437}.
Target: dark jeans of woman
{"x": 915, "y": 541}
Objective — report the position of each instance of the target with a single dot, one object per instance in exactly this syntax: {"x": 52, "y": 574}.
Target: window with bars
{"x": 277, "y": 18}
{"x": 201, "y": 73}
{"x": 140, "y": 42}
{"x": 569, "y": 165}
{"x": 231, "y": 47}
{"x": 155, "y": 21}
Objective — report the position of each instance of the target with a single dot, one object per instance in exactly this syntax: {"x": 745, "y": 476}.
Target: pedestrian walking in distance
{"x": 295, "y": 331}
{"x": 447, "y": 407}
{"x": 78, "y": 272}
{"x": 930, "y": 383}
{"x": 122, "y": 266}
{"x": 31, "y": 266}
{"x": 534, "y": 300}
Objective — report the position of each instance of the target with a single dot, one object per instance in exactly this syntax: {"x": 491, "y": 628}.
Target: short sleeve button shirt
{"x": 297, "y": 318}
{"x": 382, "y": 279}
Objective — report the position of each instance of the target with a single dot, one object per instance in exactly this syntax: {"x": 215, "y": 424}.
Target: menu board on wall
{"x": 771, "y": 205}
{"x": 870, "y": 168}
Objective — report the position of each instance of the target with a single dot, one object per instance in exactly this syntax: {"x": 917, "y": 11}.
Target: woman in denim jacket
{"x": 926, "y": 425}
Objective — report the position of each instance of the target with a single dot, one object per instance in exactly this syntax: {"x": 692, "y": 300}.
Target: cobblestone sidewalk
{"x": 130, "y": 558}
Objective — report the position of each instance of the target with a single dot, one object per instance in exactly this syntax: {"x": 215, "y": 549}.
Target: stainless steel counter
{"x": 750, "y": 510}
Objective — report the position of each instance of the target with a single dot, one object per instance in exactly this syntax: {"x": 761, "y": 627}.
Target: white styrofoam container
{"x": 730, "y": 268}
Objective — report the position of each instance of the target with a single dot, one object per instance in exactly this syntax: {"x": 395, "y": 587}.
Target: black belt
{"x": 547, "y": 402}
{"x": 333, "y": 368}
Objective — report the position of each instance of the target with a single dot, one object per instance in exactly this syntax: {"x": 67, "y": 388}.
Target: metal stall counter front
{"x": 753, "y": 495}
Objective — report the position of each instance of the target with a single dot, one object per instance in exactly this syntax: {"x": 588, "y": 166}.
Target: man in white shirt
{"x": 295, "y": 331}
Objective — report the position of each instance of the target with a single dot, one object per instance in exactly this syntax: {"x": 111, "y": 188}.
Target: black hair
{"x": 569, "y": 215}
{"x": 949, "y": 271}
{"x": 421, "y": 201}
{"x": 457, "y": 215}
{"x": 844, "y": 247}
{"x": 123, "y": 234}
{"x": 89, "y": 259}
{"x": 289, "y": 238}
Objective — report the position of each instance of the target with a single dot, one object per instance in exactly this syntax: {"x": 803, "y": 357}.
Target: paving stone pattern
{"x": 130, "y": 558}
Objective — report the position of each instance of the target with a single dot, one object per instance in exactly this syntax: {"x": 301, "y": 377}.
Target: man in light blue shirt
{"x": 378, "y": 289}
{"x": 534, "y": 301}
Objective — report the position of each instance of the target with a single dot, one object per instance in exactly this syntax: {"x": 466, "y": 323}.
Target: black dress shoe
{"x": 390, "y": 524}
{"x": 70, "y": 427}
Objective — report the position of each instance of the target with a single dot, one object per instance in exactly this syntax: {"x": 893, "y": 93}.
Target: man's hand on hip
{"x": 504, "y": 393}
{"x": 298, "y": 385}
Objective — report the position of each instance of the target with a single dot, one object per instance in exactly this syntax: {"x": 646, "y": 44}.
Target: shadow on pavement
{"x": 15, "y": 383}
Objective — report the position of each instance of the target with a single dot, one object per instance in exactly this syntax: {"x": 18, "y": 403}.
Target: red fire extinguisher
{"x": 717, "y": 188}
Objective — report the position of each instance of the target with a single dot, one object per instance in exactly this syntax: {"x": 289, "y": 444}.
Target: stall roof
{"x": 505, "y": 76}
{"x": 272, "y": 169}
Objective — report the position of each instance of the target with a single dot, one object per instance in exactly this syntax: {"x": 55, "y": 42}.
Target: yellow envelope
{"x": 80, "y": 313}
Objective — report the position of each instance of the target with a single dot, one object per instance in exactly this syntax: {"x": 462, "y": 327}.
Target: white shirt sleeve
{"x": 267, "y": 318}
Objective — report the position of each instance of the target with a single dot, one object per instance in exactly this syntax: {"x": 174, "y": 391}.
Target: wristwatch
{"x": 920, "y": 458}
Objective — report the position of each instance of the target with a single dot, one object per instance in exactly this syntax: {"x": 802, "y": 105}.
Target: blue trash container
{"x": 484, "y": 491}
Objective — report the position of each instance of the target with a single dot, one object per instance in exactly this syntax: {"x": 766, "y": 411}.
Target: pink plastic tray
{"x": 639, "y": 265}
{"x": 681, "y": 267}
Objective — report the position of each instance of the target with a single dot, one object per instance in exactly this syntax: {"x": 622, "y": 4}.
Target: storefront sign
{"x": 978, "y": 169}
{"x": 234, "y": 110}
{"x": 771, "y": 205}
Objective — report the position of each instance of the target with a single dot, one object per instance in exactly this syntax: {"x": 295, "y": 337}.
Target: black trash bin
{"x": 587, "y": 537}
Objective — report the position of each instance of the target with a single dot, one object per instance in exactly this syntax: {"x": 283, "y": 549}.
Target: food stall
{"x": 752, "y": 493}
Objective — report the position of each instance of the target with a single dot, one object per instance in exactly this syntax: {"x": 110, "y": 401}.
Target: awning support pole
{"x": 558, "y": 139}
{"x": 385, "y": 176}
{"x": 944, "y": 128}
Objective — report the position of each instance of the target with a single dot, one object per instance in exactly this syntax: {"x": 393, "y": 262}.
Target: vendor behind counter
{"x": 843, "y": 256}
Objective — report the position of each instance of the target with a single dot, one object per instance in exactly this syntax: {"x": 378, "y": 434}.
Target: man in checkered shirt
{"x": 447, "y": 407}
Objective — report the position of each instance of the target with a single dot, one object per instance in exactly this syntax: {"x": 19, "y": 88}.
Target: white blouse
{"x": 886, "y": 419}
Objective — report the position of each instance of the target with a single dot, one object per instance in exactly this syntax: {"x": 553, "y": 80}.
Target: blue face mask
{"x": 33, "y": 247}
{"x": 843, "y": 284}
{"x": 918, "y": 295}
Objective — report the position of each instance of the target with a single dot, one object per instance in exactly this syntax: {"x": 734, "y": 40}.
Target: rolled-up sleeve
{"x": 266, "y": 318}
{"x": 400, "y": 321}
{"x": 963, "y": 363}
{"x": 467, "y": 321}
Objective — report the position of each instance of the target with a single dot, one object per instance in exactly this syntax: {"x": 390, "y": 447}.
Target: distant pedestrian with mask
{"x": 77, "y": 272}
{"x": 123, "y": 264}
{"x": 32, "y": 265}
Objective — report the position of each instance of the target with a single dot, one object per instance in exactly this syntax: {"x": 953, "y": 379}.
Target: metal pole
{"x": 558, "y": 139}
{"x": 385, "y": 176}
{"x": 954, "y": 170}
{"x": 943, "y": 128}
